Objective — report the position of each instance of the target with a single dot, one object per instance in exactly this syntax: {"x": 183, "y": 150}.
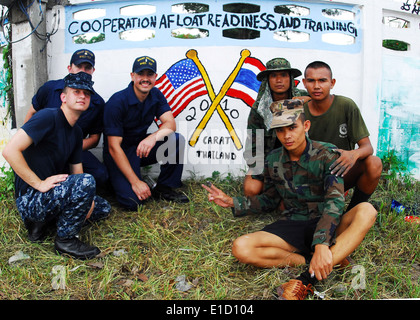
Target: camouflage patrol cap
{"x": 285, "y": 112}
{"x": 80, "y": 80}
{"x": 278, "y": 64}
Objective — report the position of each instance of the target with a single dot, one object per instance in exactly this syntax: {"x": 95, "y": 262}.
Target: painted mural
{"x": 399, "y": 129}
{"x": 187, "y": 80}
{"x": 411, "y": 6}
{"x": 163, "y": 23}
{"x": 209, "y": 52}
{"x": 208, "y": 55}
{"x": 5, "y": 121}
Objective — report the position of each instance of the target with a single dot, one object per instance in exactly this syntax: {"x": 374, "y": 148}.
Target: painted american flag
{"x": 246, "y": 85}
{"x": 181, "y": 84}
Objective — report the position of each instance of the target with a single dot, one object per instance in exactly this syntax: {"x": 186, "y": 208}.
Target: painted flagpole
{"x": 216, "y": 100}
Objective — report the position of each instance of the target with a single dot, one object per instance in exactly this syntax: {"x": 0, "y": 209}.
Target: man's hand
{"x": 167, "y": 127}
{"x": 218, "y": 196}
{"x": 344, "y": 163}
{"x": 144, "y": 147}
{"x": 142, "y": 190}
{"x": 51, "y": 182}
{"x": 303, "y": 98}
{"x": 322, "y": 262}
{"x": 349, "y": 157}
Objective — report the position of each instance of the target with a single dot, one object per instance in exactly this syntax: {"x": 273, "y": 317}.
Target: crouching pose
{"x": 128, "y": 145}
{"x": 38, "y": 154}
{"x": 312, "y": 229}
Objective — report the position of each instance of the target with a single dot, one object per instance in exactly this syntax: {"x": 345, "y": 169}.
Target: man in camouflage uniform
{"x": 277, "y": 83}
{"x": 39, "y": 154}
{"x": 312, "y": 229}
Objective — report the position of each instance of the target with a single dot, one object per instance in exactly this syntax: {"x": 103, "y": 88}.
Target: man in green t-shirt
{"x": 337, "y": 119}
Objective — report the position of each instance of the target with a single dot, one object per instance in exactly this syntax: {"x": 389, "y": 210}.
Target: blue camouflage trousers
{"x": 68, "y": 204}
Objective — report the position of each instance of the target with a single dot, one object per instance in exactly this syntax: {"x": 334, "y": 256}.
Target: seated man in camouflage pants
{"x": 312, "y": 229}
{"x": 38, "y": 154}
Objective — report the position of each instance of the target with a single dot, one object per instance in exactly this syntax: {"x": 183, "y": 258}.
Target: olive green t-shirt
{"x": 342, "y": 124}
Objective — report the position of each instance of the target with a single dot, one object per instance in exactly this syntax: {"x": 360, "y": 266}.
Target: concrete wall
{"x": 358, "y": 67}
{"x": 399, "y": 126}
{"x": 214, "y": 149}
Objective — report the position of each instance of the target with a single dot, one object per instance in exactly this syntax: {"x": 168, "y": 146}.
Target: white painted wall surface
{"x": 359, "y": 69}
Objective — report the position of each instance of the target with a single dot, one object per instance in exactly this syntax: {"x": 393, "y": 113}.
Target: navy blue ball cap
{"x": 83, "y": 55}
{"x": 143, "y": 63}
{"x": 81, "y": 80}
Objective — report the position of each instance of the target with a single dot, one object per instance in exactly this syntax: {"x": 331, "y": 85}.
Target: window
{"x": 338, "y": 39}
{"x": 137, "y": 10}
{"x": 189, "y": 33}
{"x": 244, "y": 10}
{"x": 89, "y": 14}
{"x": 241, "y": 33}
{"x": 241, "y": 8}
{"x": 338, "y": 14}
{"x": 137, "y": 35}
{"x": 395, "y": 22}
{"x": 292, "y": 10}
{"x": 190, "y": 7}
{"x": 291, "y": 36}
{"x": 396, "y": 45}
{"x": 89, "y": 37}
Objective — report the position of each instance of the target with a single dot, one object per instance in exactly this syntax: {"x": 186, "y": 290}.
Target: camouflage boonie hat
{"x": 278, "y": 64}
{"x": 286, "y": 112}
{"x": 81, "y": 80}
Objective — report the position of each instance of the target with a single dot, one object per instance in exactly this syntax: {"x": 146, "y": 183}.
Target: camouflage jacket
{"x": 307, "y": 187}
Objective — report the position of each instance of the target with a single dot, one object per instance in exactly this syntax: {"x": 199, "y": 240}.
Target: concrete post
{"x": 29, "y": 56}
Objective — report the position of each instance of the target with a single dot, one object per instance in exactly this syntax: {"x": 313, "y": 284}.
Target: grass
{"x": 145, "y": 251}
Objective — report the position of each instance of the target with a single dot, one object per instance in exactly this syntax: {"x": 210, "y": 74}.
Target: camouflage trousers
{"x": 68, "y": 204}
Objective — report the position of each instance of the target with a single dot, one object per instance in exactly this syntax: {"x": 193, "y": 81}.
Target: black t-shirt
{"x": 55, "y": 145}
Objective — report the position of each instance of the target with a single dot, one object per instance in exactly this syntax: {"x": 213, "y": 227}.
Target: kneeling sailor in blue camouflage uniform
{"x": 38, "y": 154}
{"x": 312, "y": 229}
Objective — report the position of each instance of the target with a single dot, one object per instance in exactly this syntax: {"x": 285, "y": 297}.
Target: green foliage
{"x": 392, "y": 166}
{"x": 396, "y": 45}
{"x": 202, "y": 34}
{"x": 7, "y": 66}
{"x": 195, "y": 7}
{"x": 7, "y": 186}
{"x": 84, "y": 40}
{"x": 229, "y": 183}
{"x": 7, "y": 82}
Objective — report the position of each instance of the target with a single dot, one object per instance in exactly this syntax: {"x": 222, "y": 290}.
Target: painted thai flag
{"x": 246, "y": 85}
{"x": 181, "y": 84}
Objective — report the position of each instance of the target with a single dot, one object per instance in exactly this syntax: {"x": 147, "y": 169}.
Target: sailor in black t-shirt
{"x": 39, "y": 154}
